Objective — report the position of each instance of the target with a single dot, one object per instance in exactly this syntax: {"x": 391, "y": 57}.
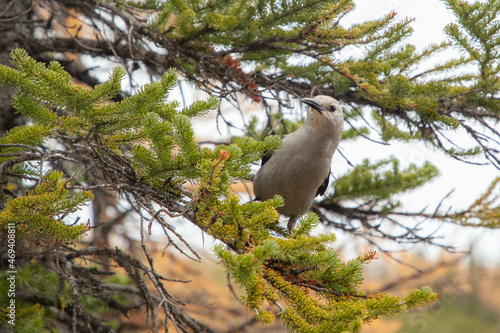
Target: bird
{"x": 300, "y": 169}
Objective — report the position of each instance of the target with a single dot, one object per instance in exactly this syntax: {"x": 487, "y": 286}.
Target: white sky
{"x": 468, "y": 181}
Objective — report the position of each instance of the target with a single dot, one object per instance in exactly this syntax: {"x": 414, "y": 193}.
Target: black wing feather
{"x": 266, "y": 158}
{"x": 322, "y": 188}
{"x": 268, "y": 154}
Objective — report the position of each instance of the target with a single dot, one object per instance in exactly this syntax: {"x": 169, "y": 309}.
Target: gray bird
{"x": 299, "y": 170}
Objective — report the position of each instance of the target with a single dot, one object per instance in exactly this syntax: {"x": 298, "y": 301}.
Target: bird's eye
{"x": 332, "y": 108}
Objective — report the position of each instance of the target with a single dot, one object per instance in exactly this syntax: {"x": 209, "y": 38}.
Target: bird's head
{"x": 325, "y": 111}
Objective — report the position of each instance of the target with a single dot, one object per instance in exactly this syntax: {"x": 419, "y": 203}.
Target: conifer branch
{"x": 142, "y": 150}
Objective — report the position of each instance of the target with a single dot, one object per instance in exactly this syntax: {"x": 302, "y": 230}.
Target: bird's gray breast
{"x": 295, "y": 172}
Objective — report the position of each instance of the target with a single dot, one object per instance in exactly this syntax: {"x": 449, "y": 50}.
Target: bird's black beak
{"x": 314, "y": 103}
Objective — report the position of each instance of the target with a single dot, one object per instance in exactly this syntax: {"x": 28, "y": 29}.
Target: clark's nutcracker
{"x": 299, "y": 171}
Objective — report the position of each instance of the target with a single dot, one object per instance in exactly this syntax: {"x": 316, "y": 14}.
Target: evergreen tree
{"x": 77, "y": 143}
